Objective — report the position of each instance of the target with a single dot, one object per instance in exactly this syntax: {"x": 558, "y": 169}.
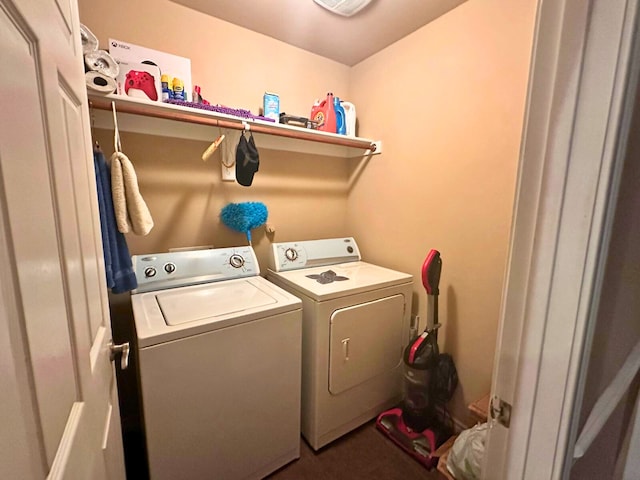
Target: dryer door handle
{"x": 345, "y": 348}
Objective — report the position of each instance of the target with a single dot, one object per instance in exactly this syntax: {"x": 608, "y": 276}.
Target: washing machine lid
{"x": 334, "y": 281}
{"x": 214, "y": 300}
{"x": 173, "y": 314}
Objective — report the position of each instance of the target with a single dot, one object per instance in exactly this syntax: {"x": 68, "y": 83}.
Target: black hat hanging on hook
{"x": 247, "y": 160}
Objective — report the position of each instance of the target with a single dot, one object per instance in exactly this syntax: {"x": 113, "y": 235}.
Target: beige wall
{"x": 234, "y": 66}
{"x": 448, "y": 103}
{"x": 305, "y": 194}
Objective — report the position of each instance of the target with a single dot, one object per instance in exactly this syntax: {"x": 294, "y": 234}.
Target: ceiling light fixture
{"x": 345, "y": 8}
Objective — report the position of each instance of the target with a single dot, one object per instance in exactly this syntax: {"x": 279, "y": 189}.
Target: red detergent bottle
{"x": 324, "y": 114}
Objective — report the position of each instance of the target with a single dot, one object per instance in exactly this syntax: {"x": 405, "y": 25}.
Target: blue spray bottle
{"x": 341, "y": 120}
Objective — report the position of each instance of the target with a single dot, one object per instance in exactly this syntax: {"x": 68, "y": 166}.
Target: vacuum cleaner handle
{"x": 431, "y": 269}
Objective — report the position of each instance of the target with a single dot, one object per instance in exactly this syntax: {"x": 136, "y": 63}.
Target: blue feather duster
{"x": 245, "y": 216}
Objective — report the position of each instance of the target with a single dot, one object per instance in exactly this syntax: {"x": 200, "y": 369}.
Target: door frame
{"x": 581, "y": 90}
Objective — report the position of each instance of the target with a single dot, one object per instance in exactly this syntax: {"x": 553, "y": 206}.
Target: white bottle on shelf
{"x": 350, "y": 117}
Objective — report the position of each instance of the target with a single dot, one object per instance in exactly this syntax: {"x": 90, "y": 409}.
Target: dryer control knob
{"x": 291, "y": 254}
{"x": 236, "y": 260}
{"x": 170, "y": 267}
{"x": 149, "y": 272}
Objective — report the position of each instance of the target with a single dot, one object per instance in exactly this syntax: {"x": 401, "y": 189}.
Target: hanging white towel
{"x": 132, "y": 213}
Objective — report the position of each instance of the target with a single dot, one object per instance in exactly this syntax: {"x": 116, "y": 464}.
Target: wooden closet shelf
{"x": 177, "y": 113}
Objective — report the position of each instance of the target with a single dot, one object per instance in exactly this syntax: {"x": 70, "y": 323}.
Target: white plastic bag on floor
{"x": 465, "y": 457}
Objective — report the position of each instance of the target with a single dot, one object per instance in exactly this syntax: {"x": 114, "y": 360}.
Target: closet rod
{"x": 180, "y": 116}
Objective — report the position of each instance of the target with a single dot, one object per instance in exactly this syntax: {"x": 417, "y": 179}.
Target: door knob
{"x": 123, "y": 349}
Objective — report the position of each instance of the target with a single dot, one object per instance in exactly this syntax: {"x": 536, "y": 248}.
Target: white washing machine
{"x": 355, "y": 327}
{"x": 219, "y": 362}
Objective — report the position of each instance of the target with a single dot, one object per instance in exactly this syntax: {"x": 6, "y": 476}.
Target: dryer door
{"x": 365, "y": 341}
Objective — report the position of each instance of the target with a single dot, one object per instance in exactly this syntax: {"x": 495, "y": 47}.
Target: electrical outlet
{"x": 228, "y": 173}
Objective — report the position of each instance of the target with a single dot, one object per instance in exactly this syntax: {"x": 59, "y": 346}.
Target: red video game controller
{"x": 142, "y": 81}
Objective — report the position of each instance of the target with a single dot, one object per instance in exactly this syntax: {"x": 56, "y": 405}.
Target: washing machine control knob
{"x": 236, "y": 260}
{"x": 150, "y": 272}
{"x": 169, "y": 267}
{"x": 291, "y": 254}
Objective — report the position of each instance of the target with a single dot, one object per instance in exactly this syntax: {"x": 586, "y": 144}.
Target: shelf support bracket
{"x": 376, "y": 148}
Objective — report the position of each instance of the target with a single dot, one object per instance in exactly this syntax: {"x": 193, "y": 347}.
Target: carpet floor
{"x": 364, "y": 453}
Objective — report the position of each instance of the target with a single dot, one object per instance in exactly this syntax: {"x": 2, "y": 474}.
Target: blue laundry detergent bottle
{"x": 341, "y": 120}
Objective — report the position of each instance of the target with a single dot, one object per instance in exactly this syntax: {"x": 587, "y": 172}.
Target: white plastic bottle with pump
{"x": 350, "y": 117}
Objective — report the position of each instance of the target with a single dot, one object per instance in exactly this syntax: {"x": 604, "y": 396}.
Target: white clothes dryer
{"x": 219, "y": 363}
{"x": 355, "y": 327}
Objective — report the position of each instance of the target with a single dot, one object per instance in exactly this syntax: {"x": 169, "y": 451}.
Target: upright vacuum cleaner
{"x": 429, "y": 381}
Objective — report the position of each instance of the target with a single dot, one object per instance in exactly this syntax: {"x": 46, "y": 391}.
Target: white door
{"x": 576, "y": 122}
{"x": 60, "y": 416}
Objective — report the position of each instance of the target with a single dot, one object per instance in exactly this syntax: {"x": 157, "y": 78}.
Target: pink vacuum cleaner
{"x": 419, "y": 425}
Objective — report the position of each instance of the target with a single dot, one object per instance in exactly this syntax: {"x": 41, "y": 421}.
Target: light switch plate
{"x": 228, "y": 173}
